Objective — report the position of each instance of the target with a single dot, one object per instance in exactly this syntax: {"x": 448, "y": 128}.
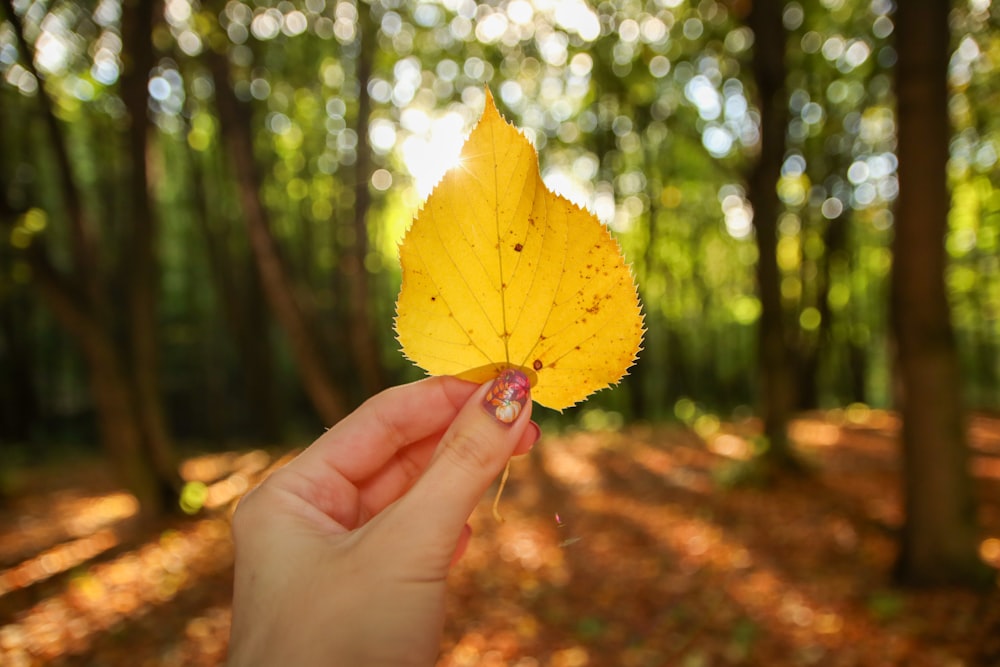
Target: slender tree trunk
{"x": 143, "y": 268}
{"x": 641, "y": 396}
{"x": 939, "y": 534}
{"x": 255, "y": 341}
{"x": 364, "y": 342}
{"x": 305, "y": 346}
{"x": 857, "y": 362}
{"x": 242, "y": 311}
{"x": 111, "y": 391}
{"x": 858, "y": 352}
{"x": 776, "y": 372}
{"x": 18, "y": 397}
{"x": 811, "y": 352}
{"x": 83, "y": 234}
{"x": 120, "y": 427}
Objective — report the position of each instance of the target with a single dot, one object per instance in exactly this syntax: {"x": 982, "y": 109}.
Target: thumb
{"x": 472, "y": 452}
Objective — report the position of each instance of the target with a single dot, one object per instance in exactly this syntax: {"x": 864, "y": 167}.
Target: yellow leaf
{"x": 500, "y": 272}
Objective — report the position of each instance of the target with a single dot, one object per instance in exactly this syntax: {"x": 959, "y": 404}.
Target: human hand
{"x": 342, "y": 555}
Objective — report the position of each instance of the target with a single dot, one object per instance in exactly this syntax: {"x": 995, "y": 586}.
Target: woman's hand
{"x": 342, "y": 555}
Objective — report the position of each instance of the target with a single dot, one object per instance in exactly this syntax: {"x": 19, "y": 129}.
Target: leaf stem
{"x": 496, "y": 500}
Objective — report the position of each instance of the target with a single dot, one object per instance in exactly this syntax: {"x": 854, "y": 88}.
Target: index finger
{"x": 361, "y": 443}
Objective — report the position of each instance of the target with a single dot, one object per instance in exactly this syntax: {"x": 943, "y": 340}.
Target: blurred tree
{"x": 939, "y": 541}
{"x": 18, "y": 400}
{"x": 361, "y": 334}
{"x": 81, "y": 302}
{"x": 19, "y": 405}
{"x": 775, "y": 355}
{"x": 293, "y": 314}
{"x": 143, "y": 271}
{"x": 240, "y": 298}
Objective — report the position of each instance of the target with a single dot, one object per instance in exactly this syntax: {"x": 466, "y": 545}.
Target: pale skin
{"x": 342, "y": 555}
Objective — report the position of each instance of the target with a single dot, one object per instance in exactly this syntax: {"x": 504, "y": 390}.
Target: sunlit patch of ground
{"x": 102, "y": 601}
{"x": 89, "y": 520}
{"x": 618, "y": 549}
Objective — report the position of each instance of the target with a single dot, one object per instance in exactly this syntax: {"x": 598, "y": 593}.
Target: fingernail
{"x": 538, "y": 433}
{"x": 507, "y": 396}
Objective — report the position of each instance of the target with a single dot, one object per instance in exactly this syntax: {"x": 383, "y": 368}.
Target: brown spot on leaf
{"x": 518, "y": 247}
{"x": 537, "y": 365}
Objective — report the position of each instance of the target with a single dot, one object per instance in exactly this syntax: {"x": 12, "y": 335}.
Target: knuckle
{"x": 247, "y": 515}
{"x": 468, "y": 452}
{"x": 242, "y": 520}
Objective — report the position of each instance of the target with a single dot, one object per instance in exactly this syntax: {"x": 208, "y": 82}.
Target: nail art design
{"x": 508, "y": 395}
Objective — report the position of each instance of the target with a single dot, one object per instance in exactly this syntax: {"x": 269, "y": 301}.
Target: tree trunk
{"x": 811, "y": 351}
{"x": 939, "y": 533}
{"x": 117, "y": 416}
{"x": 364, "y": 342}
{"x": 18, "y": 393}
{"x": 143, "y": 269}
{"x": 242, "y": 311}
{"x": 775, "y": 370}
{"x": 83, "y": 235}
{"x": 122, "y": 429}
{"x": 317, "y": 380}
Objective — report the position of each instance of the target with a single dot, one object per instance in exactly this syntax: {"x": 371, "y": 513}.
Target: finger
{"x": 472, "y": 453}
{"x": 393, "y": 479}
{"x": 528, "y": 440}
{"x": 350, "y": 504}
{"x": 365, "y": 440}
{"x": 463, "y": 544}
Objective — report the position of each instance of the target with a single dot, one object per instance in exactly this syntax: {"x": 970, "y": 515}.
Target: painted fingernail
{"x": 507, "y": 396}
{"x": 538, "y": 433}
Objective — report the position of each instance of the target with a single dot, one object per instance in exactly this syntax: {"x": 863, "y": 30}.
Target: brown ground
{"x": 618, "y": 549}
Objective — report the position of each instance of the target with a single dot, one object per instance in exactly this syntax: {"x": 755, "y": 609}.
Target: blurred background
{"x": 201, "y": 205}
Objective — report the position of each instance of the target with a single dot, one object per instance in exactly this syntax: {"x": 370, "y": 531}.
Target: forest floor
{"x": 630, "y": 548}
